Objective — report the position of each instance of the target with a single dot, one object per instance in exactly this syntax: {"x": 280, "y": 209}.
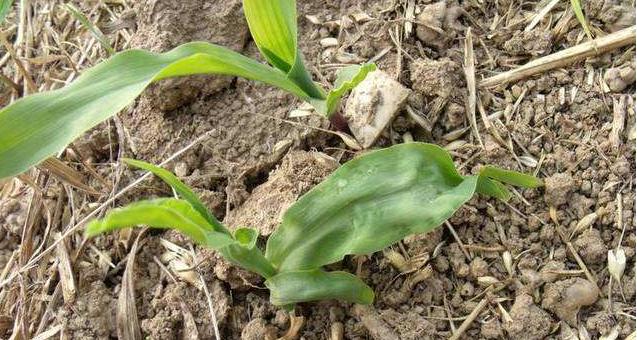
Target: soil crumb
{"x": 528, "y": 320}
{"x": 299, "y": 172}
{"x": 566, "y": 297}
{"x": 92, "y": 315}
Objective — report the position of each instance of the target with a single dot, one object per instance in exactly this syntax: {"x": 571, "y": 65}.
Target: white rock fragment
{"x": 372, "y": 105}
{"x": 329, "y": 42}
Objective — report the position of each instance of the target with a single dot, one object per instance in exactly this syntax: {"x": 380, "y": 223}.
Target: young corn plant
{"x": 365, "y": 206}
{"x": 38, "y": 126}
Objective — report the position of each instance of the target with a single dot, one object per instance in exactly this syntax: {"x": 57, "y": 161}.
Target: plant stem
{"x": 251, "y": 259}
{"x": 302, "y": 78}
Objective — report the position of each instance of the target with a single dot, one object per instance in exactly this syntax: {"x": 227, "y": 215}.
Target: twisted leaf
{"x": 182, "y": 189}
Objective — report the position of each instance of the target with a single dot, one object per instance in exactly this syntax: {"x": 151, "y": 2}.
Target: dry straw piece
{"x": 562, "y": 58}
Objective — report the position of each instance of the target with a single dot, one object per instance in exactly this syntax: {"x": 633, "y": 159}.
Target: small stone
{"x": 491, "y": 329}
{"x": 372, "y": 105}
{"x": 431, "y": 21}
{"x": 535, "y": 43}
{"x": 566, "y": 297}
{"x": 478, "y": 267}
{"x": 618, "y": 78}
{"x": 281, "y": 319}
{"x": 601, "y": 323}
{"x": 436, "y": 78}
{"x": 181, "y": 169}
{"x": 257, "y": 329}
{"x": 336, "y": 314}
{"x": 547, "y": 273}
{"x": 438, "y": 23}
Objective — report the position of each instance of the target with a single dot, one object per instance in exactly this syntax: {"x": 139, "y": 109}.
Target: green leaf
{"x": 163, "y": 213}
{"x": 99, "y": 36}
{"x": 273, "y": 27}
{"x": 5, "y": 8}
{"x": 251, "y": 259}
{"x": 511, "y": 177}
{"x": 368, "y": 204}
{"x": 38, "y": 126}
{"x": 347, "y": 78}
{"x": 182, "y": 189}
{"x": 579, "y": 14}
{"x": 242, "y": 251}
{"x": 312, "y": 285}
{"x": 247, "y": 237}
{"x": 491, "y": 188}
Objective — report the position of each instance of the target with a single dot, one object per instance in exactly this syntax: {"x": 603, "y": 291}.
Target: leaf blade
{"x": 368, "y": 204}
{"x": 37, "y": 126}
{"x": 96, "y": 32}
{"x": 274, "y": 30}
{"x": 576, "y": 5}
{"x": 5, "y": 8}
{"x": 272, "y": 24}
{"x": 163, "y": 213}
{"x": 347, "y": 79}
{"x": 292, "y": 287}
{"x": 182, "y": 189}
{"x": 511, "y": 177}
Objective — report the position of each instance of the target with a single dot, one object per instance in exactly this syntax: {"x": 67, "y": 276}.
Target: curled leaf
{"x": 511, "y": 177}
{"x": 247, "y": 237}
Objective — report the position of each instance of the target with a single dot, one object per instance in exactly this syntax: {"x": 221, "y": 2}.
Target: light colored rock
{"x": 565, "y": 298}
{"x": 372, "y": 105}
{"x": 618, "y": 79}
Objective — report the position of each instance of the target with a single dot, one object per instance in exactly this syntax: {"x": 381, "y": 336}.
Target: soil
{"x": 533, "y": 268}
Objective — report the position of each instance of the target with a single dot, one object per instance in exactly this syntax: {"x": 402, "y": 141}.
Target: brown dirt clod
{"x": 566, "y": 297}
{"x": 299, "y": 172}
{"x": 528, "y": 320}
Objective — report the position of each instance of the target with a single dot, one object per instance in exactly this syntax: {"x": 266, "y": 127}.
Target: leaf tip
{"x": 367, "y": 296}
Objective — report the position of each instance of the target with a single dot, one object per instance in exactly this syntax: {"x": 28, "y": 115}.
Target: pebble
{"x": 565, "y": 298}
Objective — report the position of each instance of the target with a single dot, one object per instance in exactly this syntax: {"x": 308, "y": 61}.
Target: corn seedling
{"x": 576, "y": 5}
{"x": 38, "y": 126}
{"x": 5, "y": 7}
{"x": 365, "y": 206}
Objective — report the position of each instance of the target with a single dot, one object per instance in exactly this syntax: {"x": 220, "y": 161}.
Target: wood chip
{"x": 470, "y": 76}
{"x": 66, "y": 174}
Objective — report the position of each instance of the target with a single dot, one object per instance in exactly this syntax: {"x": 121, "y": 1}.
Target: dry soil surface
{"x": 533, "y": 268}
